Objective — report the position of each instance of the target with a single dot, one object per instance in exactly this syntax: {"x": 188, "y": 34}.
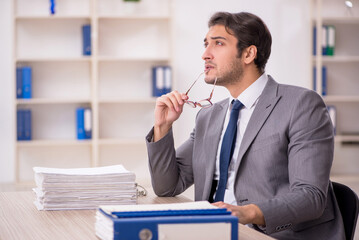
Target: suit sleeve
{"x": 310, "y": 156}
{"x": 171, "y": 175}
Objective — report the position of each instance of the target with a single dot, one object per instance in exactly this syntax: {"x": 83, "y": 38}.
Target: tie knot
{"x": 236, "y": 105}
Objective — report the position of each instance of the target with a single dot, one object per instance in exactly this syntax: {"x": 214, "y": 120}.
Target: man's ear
{"x": 250, "y": 53}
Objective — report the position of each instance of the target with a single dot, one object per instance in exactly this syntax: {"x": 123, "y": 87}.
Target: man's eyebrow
{"x": 215, "y": 38}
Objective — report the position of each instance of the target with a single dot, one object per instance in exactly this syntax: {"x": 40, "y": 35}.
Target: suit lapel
{"x": 265, "y": 106}
{"x": 212, "y": 139}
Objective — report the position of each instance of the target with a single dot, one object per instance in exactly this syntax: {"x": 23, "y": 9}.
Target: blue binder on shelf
{"x": 18, "y": 82}
{"x": 158, "y": 81}
{"x": 324, "y": 80}
{"x": 214, "y": 223}
{"x": 86, "y": 40}
{"x": 88, "y": 123}
{"x": 161, "y": 80}
{"x": 26, "y": 82}
{"x": 24, "y": 124}
{"x": 83, "y": 123}
{"x": 80, "y": 123}
{"x": 20, "y": 125}
{"x": 314, "y": 41}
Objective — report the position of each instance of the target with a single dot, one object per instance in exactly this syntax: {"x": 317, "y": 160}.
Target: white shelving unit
{"x": 342, "y": 78}
{"x": 128, "y": 39}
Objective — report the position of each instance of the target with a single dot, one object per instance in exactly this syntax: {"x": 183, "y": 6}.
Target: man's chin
{"x": 209, "y": 79}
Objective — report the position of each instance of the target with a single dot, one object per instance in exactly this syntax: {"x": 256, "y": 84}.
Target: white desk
{"x": 19, "y": 219}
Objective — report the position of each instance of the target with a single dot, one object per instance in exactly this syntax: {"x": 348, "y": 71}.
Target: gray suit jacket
{"x": 283, "y": 164}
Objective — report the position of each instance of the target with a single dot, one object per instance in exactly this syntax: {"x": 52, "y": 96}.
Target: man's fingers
{"x": 172, "y": 100}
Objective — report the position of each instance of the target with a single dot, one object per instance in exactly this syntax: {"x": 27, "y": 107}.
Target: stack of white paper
{"x": 83, "y": 188}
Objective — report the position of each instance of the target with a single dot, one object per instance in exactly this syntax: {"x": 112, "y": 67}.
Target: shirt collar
{"x": 250, "y": 95}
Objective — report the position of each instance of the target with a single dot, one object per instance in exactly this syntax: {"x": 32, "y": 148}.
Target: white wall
{"x": 7, "y": 94}
{"x": 288, "y": 21}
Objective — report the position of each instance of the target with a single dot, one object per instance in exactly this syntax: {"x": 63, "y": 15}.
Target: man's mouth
{"x": 208, "y": 67}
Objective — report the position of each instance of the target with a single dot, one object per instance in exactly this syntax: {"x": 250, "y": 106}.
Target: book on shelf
{"x": 324, "y": 80}
{"x": 161, "y": 80}
{"x": 328, "y": 40}
{"x": 190, "y": 220}
{"x": 23, "y": 82}
{"x": 333, "y": 116}
{"x": 84, "y": 123}
{"x": 24, "y": 124}
{"x": 86, "y": 40}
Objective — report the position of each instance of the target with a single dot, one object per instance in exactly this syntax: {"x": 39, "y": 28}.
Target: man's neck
{"x": 246, "y": 80}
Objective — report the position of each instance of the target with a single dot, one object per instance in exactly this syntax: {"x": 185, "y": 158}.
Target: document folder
{"x": 214, "y": 223}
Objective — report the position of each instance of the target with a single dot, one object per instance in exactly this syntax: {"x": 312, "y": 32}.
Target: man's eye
{"x": 219, "y": 43}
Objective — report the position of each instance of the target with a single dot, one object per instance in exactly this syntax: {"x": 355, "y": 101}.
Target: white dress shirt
{"x": 249, "y": 99}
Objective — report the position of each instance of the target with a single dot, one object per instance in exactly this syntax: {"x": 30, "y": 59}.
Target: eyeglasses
{"x": 205, "y": 103}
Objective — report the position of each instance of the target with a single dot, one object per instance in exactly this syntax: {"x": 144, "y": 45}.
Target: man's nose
{"x": 207, "y": 55}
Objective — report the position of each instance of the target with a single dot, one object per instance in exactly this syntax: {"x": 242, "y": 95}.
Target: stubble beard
{"x": 231, "y": 75}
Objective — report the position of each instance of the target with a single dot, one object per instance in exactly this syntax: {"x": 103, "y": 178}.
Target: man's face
{"x": 220, "y": 57}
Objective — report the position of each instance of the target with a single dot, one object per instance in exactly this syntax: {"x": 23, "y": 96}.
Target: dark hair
{"x": 249, "y": 30}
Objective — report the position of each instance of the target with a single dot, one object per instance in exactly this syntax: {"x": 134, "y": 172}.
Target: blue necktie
{"x": 228, "y": 143}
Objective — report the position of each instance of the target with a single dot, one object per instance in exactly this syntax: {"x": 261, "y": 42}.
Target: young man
{"x": 265, "y": 153}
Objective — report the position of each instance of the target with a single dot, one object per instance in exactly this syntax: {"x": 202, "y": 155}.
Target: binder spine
{"x": 20, "y": 124}
{"x": 331, "y": 40}
{"x": 88, "y": 123}
{"x": 26, "y": 82}
{"x": 86, "y": 40}
{"x": 130, "y": 228}
{"x": 324, "y": 40}
{"x": 314, "y": 41}
{"x": 24, "y": 124}
{"x": 27, "y": 125}
{"x": 80, "y": 123}
{"x": 324, "y": 81}
{"x": 161, "y": 80}
{"x": 19, "y": 82}
{"x": 157, "y": 81}
{"x": 52, "y": 7}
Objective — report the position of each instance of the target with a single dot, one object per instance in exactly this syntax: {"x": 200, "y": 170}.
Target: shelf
{"x": 129, "y": 100}
{"x": 337, "y": 59}
{"x": 346, "y": 20}
{"x": 137, "y": 17}
{"x": 341, "y": 98}
{"x": 347, "y": 138}
{"x": 52, "y": 17}
{"x": 45, "y": 143}
{"x": 51, "y": 101}
{"x": 113, "y": 141}
{"x": 137, "y": 59}
{"x": 54, "y": 59}
{"x": 115, "y": 81}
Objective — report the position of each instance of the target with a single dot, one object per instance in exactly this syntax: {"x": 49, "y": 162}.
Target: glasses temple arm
{"x": 214, "y": 84}
{"x": 194, "y": 83}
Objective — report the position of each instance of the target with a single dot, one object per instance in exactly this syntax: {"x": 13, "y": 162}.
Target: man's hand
{"x": 168, "y": 109}
{"x": 250, "y": 213}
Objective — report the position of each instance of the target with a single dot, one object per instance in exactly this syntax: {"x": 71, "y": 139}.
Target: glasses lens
{"x": 192, "y": 104}
{"x": 204, "y": 103}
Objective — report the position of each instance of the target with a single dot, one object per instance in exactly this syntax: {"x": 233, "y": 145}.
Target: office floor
{"x": 351, "y": 181}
